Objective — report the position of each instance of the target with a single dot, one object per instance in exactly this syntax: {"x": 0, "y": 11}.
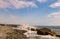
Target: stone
{"x": 7, "y": 32}
{"x": 45, "y": 31}
{"x": 57, "y": 35}
{"x": 32, "y": 29}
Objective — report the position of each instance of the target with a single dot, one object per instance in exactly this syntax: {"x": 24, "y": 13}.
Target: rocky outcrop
{"x": 33, "y": 29}
{"x": 7, "y": 32}
{"x": 45, "y": 31}
{"x": 57, "y": 35}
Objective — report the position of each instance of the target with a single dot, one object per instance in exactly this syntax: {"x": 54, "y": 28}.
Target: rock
{"x": 7, "y": 32}
{"x": 32, "y": 29}
{"x": 57, "y": 35}
{"x": 45, "y": 31}
{"x": 42, "y": 31}
{"x": 52, "y": 33}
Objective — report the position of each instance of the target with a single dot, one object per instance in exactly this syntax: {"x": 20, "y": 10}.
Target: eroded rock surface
{"x": 7, "y": 32}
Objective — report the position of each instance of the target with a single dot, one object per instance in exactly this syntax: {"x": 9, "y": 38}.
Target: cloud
{"x": 13, "y": 16}
{"x": 42, "y": 1}
{"x": 55, "y": 5}
{"x": 55, "y": 14}
{"x": 54, "y": 18}
{"x": 3, "y": 4}
{"x": 16, "y": 4}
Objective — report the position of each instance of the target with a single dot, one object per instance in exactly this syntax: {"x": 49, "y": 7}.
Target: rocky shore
{"x": 7, "y": 32}
{"x": 25, "y": 32}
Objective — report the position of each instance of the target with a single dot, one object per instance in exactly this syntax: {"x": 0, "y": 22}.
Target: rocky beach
{"x": 26, "y": 32}
{"x": 7, "y": 32}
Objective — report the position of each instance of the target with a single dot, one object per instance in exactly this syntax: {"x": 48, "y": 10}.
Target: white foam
{"x": 30, "y": 33}
{"x": 25, "y": 27}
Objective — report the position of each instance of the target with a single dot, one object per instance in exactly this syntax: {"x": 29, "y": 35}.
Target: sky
{"x": 33, "y": 12}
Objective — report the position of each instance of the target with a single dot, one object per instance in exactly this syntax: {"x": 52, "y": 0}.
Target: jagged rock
{"x": 7, "y": 32}
{"x": 57, "y": 35}
{"x": 32, "y": 29}
{"x": 45, "y": 31}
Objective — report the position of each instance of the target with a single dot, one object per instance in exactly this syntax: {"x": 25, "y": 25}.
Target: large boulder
{"x": 45, "y": 31}
{"x": 57, "y": 35}
{"x": 7, "y": 32}
{"x": 33, "y": 29}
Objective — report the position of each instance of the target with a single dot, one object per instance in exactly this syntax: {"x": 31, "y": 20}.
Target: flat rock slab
{"x": 7, "y": 32}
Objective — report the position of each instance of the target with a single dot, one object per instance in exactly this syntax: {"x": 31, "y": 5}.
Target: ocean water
{"x": 50, "y": 27}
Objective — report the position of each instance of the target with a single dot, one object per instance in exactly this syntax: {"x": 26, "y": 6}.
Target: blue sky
{"x": 34, "y": 12}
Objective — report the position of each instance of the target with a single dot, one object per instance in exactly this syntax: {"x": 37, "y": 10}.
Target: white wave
{"x": 25, "y": 27}
{"x": 30, "y": 33}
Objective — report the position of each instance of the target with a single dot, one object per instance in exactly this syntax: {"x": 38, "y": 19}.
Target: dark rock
{"x": 45, "y": 31}
{"x": 32, "y": 29}
{"x": 57, "y": 35}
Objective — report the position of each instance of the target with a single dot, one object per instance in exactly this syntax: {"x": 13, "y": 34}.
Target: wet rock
{"x": 45, "y": 31}
{"x": 57, "y": 35}
{"x": 32, "y": 29}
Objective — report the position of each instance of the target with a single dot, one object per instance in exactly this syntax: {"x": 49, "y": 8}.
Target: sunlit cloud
{"x": 55, "y": 15}
{"x": 13, "y": 17}
{"x": 56, "y": 4}
{"x": 54, "y": 18}
{"x": 16, "y": 4}
{"x": 42, "y": 1}
{"x": 3, "y": 4}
